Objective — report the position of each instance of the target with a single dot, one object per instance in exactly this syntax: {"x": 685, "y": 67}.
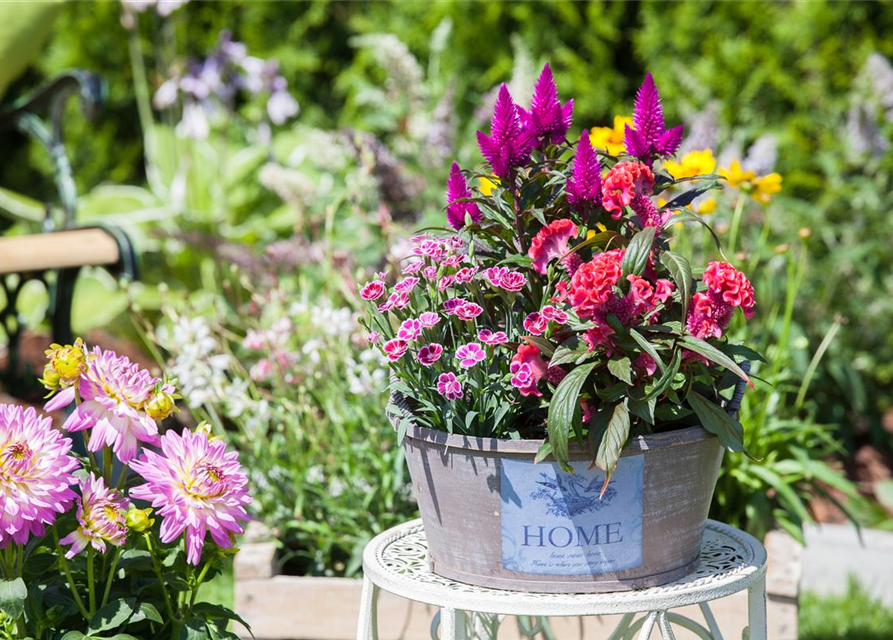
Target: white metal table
{"x": 730, "y": 561}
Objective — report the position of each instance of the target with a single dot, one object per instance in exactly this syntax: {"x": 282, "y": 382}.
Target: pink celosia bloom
{"x": 429, "y": 354}
{"x": 198, "y": 487}
{"x": 641, "y": 293}
{"x": 373, "y": 337}
{"x": 35, "y": 474}
{"x": 622, "y": 183}
{"x": 410, "y": 330}
{"x": 554, "y": 314}
{"x": 706, "y": 318}
{"x": 584, "y": 187}
{"x": 492, "y": 337}
{"x": 428, "y": 319}
{"x": 535, "y": 323}
{"x": 114, "y": 391}
{"x": 445, "y": 282}
{"x": 649, "y": 134}
{"x": 647, "y": 214}
{"x": 407, "y": 284}
{"x": 468, "y": 311}
{"x": 449, "y": 386}
{"x": 547, "y": 120}
{"x": 453, "y": 260}
{"x": 450, "y": 306}
{"x": 394, "y": 349}
{"x": 599, "y": 336}
{"x": 466, "y": 274}
{"x": 663, "y": 289}
{"x": 732, "y": 286}
{"x": 412, "y": 267}
{"x": 372, "y": 290}
{"x": 470, "y": 354}
{"x": 527, "y": 369}
{"x": 513, "y": 281}
{"x": 509, "y": 143}
{"x": 550, "y": 243}
{"x": 430, "y": 272}
{"x": 457, "y": 190}
{"x": 100, "y": 516}
{"x": 593, "y": 283}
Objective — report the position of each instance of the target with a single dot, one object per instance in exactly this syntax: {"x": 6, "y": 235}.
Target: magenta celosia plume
{"x": 584, "y": 187}
{"x": 100, "y": 515}
{"x": 509, "y": 144}
{"x": 457, "y": 189}
{"x": 548, "y": 120}
{"x": 649, "y": 135}
{"x": 197, "y": 487}
{"x": 114, "y": 393}
{"x": 35, "y": 474}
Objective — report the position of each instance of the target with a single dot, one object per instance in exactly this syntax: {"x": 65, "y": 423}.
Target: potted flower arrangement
{"x": 115, "y": 543}
{"x": 561, "y": 384}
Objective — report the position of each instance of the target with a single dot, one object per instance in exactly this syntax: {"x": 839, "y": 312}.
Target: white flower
{"x": 194, "y": 123}
{"x": 315, "y": 475}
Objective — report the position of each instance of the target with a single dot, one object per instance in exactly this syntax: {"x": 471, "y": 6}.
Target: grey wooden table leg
{"x": 756, "y": 611}
{"x": 367, "y": 627}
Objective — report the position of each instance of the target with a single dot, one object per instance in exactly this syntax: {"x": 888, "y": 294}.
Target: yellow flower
{"x": 693, "y": 163}
{"x": 160, "y": 405}
{"x": 599, "y": 228}
{"x": 737, "y": 177}
{"x": 760, "y": 188}
{"x": 707, "y": 207}
{"x": 487, "y": 185}
{"x": 765, "y": 186}
{"x": 138, "y": 519}
{"x": 66, "y": 364}
{"x": 610, "y": 139}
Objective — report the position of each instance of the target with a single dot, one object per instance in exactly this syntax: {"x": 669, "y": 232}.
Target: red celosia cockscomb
{"x": 198, "y": 487}
{"x": 732, "y": 286}
{"x": 551, "y": 242}
{"x": 35, "y": 474}
{"x": 527, "y": 369}
{"x": 622, "y": 183}
{"x": 592, "y": 284}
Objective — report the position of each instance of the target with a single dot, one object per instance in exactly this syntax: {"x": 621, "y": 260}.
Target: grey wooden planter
{"x": 495, "y": 519}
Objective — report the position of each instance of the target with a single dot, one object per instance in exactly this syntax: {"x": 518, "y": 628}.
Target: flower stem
{"x": 90, "y": 583}
{"x": 157, "y": 567}
{"x": 107, "y": 465}
{"x": 736, "y": 223}
{"x": 111, "y": 577}
{"x": 198, "y": 583}
{"x": 87, "y": 449}
{"x": 71, "y": 585}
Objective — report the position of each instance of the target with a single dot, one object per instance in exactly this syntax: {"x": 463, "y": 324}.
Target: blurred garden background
{"x": 265, "y": 157}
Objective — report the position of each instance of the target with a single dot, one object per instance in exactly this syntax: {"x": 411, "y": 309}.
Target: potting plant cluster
{"x": 554, "y": 305}
{"x": 118, "y": 540}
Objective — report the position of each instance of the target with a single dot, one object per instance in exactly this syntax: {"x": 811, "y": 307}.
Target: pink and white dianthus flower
{"x": 35, "y": 474}
{"x": 452, "y": 261}
{"x": 397, "y": 300}
{"x": 449, "y": 386}
{"x": 450, "y": 306}
{"x": 468, "y": 311}
{"x": 198, "y": 487}
{"x": 513, "y": 281}
{"x": 430, "y": 272}
{"x": 429, "y": 319}
{"x": 101, "y": 512}
{"x": 373, "y": 337}
{"x": 492, "y": 337}
{"x": 412, "y": 267}
{"x": 495, "y": 275}
{"x": 407, "y": 284}
{"x": 410, "y": 330}
{"x": 429, "y": 354}
{"x": 554, "y": 314}
{"x": 114, "y": 393}
{"x": 466, "y": 274}
{"x": 445, "y": 282}
{"x": 372, "y": 290}
{"x": 395, "y": 349}
{"x": 470, "y": 354}
{"x": 535, "y": 323}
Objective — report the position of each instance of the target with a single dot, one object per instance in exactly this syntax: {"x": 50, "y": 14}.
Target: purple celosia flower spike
{"x": 457, "y": 189}
{"x": 649, "y": 133}
{"x": 509, "y": 143}
{"x": 585, "y": 184}
{"x": 547, "y": 120}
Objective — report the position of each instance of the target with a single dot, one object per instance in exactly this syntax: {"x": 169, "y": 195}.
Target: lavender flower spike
{"x": 509, "y": 143}
{"x": 585, "y": 184}
{"x": 650, "y": 135}
{"x": 457, "y": 189}
{"x": 547, "y": 120}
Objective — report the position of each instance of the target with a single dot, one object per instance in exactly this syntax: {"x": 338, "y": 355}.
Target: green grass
{"x": 854, "y": 615}
{"x": 219, "y": 590}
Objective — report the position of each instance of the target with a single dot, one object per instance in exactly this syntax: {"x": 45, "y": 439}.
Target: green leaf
{"x": 883, "y": 490}
{"x": 714, "y": 355}
{"x": 622, "y": 369}
{"x": 613, "y": 393}
{"x": 544, "y": 345}
{"x": 643, "y": 408}
{"x": 402, "y": 427}
{"x": 564, "y": 405}
{"x": 671, "y": 412}
{"x": 680, "y": 270}
{"x": 543, "y": 452}
{"x": 648, "y": 348}
{"x": 73, "y": 635}
{"x": 664, "y": 382}
{"x": 635, "y": 257}
{"x": 12, "y": 597}
{"x": 687, "y": 197}
{"x": 715, "y": 420}
{"x": 194, "y": 629}
{"x": 786, "y": 495}
{"x": 212, "y": 612}
{"x": 112, "y": 615}
{"x": 616, "y": 435}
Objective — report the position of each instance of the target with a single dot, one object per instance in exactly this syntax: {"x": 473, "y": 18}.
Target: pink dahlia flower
{"x": 622, "y": 183}
{"x": 470, "y": 354}
{"x": 197, "y": 487}
{"x": 449, "y": 386}
{"x": 100, "y": 515}
{"x": 35, "y": 474}
{"x": 551, "y": 242}
{"x": 115, "y": 393}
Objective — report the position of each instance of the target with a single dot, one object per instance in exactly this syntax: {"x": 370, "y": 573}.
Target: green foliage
{"x": 854, "y": 615}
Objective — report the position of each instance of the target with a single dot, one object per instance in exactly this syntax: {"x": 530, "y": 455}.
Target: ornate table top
{"x": 396, "y": 561}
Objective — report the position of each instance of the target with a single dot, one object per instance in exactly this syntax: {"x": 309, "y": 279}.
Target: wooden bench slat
{"x": 57, "y": 250}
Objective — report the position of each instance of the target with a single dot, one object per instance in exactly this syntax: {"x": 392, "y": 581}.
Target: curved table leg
{"x": 367, "y": 627}
{"x": 756, "y": 611}
{"x": 663, "y": 623}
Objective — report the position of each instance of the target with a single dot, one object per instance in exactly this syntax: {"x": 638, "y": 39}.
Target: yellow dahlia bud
{"x": 205, "y": 427}
{"x": 160, "y": 405}
{"x": 138, "y": 519}
{"x": 68, "y": 361}
{"x": 51, "y": 379}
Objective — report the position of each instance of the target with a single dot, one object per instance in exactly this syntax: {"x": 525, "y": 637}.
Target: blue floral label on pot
{"x": 555, "y": 523}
